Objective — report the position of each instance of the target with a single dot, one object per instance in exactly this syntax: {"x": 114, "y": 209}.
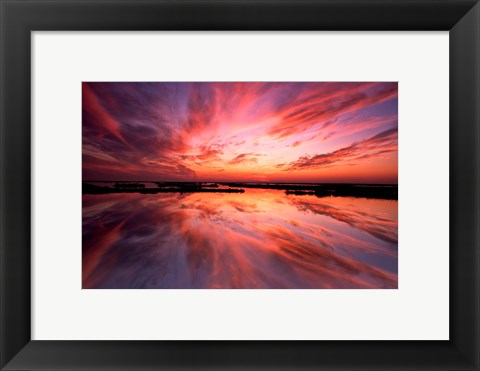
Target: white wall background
{"x": 417, "y": 310}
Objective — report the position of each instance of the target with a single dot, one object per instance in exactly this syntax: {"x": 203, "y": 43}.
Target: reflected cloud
{"x": 259, "y": 239}
{"x": 375, "y": 224}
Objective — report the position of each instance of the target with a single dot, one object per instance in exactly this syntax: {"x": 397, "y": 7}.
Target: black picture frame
{"x": 18, "y": 18}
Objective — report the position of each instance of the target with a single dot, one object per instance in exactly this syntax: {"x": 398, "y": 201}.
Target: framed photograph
{"x": 239, "y": 185}
{"x": 204, "y": 185}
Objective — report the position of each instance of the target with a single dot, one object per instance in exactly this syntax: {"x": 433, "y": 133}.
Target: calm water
{"x": 258, "y": 239}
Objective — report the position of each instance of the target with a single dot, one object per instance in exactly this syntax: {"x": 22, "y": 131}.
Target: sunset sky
{"x": 227, "y": 131}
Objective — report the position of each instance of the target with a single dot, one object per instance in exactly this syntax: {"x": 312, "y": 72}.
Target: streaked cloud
{"x": 185, "y": 131}
{"x": 376, "y": 146}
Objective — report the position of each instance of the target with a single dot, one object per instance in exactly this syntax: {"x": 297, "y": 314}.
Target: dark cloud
{"x": 375, "y": 146}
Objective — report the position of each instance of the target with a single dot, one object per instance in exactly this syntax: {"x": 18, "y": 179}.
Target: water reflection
{"x": 258, "y": 239}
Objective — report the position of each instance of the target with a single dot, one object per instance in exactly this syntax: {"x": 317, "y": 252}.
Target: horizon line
{"x": 234, "y": 181}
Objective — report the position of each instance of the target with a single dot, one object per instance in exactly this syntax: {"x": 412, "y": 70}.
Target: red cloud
{"x": 324, "y": 108}
{"x": 151, "y": 130}
{"x": 244, "y": 157}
